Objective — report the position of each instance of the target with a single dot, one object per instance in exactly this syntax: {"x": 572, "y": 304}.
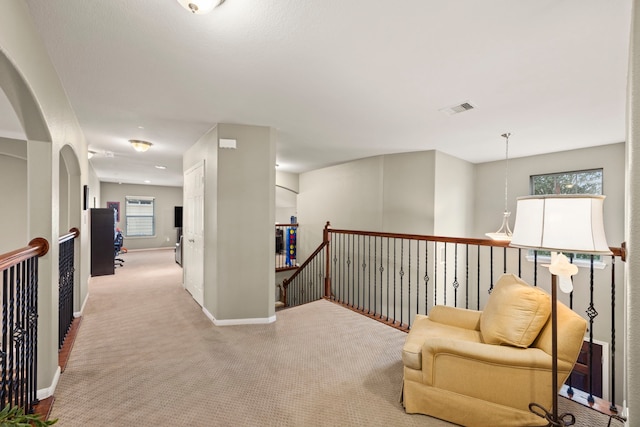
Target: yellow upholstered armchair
{"x": 483, "y": 368}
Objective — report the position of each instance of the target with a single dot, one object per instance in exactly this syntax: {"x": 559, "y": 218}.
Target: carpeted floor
{"x": 146, "y": 355}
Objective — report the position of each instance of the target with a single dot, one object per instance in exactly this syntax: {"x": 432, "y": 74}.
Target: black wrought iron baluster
{"x": 435, "y": 273}
{"x": 592, "y": 313}
{"x": 417, "y": 277}
{"x": 12, "y": 331}
{"x": 409, "y": 286}
{"x": 426, "y": 277}
{"x": 466, "y": 281}
{"x": 388, "y": 258}
{"x": 504, "y": 260}
{"x": 369, "y": 278}
{"x": 345, "y": 272}
{"x": 22, "y": 326}
{"x": 381, "y": 270}
{"x": 569, "y": 380}
{"x": 5, "y": 338}
{"x": 32, "y": 264}
{"x": 455, "y": 276}
{"x": 444, "y": 281}
{"x": 395, "y": 246}
{"x": 356, "y": 259}
{"x": 490, "y": 269}
{"x": 478, "y": 280}
{"x": 519, "y": 262}
{"x": 535, "y": 268}
{"x": 375, "y": 275}
{"x": 349, "y": 301}
{"x": 401, "y": 281}
{"x": 612, "y": 406}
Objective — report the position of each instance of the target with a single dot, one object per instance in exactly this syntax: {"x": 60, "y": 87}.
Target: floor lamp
{"x": 559, "y": 223}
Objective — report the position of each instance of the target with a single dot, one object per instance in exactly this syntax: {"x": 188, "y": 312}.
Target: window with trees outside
{"x": 577, "y": 182}
{"x": 139, "y": 216}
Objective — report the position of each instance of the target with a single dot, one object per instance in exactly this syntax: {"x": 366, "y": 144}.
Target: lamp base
{"x": 552, "y": 417}
{"x": 566, "y": 419}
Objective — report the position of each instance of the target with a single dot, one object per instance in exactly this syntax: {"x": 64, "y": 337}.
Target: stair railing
{"x": 393, "y": 277}
{"x": 66, "y": 265}
{"x": 18, "y": 349}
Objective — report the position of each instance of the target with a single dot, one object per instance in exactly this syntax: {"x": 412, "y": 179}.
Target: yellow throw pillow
{"x": 515, "y": 313}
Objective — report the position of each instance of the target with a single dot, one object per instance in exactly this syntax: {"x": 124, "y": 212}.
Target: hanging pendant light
{"x": 504, "y": 232}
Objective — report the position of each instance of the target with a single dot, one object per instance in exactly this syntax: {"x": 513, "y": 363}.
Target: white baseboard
{"x": 84, "y": 304}
{"x": 231, "y": 322}
{"x": 162, "y": 248}
{"x": 43, "y": 393}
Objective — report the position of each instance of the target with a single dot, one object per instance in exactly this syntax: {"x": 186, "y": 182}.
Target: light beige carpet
{"x": 146, "y": 355}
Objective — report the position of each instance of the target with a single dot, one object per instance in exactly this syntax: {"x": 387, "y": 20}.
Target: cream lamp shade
{"x": 561, "y": 223}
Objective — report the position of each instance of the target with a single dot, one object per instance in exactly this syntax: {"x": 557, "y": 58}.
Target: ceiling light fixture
{"x": 200, "y": 7}
{"x": 504, "y": 232}
{"x": 161, "y": 167}
{"x": 140, "y": 146}
{"x": 91, "y": 153}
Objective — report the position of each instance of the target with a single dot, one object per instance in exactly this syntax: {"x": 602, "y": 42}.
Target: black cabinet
{"x": 102, "y": 237}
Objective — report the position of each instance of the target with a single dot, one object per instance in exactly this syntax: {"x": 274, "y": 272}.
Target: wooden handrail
{"x": 73, "y": 233}
{"x": 288, "y": 225}
{"x": 285, "y": 282}
{"x": 616, "y": 251}
{"x": 37, "y": 247}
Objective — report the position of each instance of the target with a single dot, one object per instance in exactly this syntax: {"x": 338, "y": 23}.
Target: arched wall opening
{"x": 40, "y": 213}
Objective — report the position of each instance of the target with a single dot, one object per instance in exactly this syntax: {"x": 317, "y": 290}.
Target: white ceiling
{"x": 338, "y": 79}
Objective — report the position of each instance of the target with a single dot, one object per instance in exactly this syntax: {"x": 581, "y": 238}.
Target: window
{"x": 581, "y": 182}
{"x": 140, "y": 216}
{"x": 578, "y": 182}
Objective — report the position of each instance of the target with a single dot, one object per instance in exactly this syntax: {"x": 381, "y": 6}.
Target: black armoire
{"x": 102, "y": 237}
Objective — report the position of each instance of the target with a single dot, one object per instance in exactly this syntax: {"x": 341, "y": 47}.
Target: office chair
{"x": 117, "y": 245}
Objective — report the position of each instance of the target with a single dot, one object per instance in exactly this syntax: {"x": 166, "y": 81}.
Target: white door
{"x": 193, "y": 232}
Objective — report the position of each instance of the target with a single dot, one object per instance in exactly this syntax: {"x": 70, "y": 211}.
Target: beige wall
{"x": 246, "y": 215}
{"x": 399, "y": 193}
{"x": 13, "y": 169}
{"x": 166, "y": 198}
{"x": 453, "y": 197}
{"x": 239, "y": 218}
{"x": 489, "y": 185}
{"x": 32, "y": 86}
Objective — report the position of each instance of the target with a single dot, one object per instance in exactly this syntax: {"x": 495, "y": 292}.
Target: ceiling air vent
{"x": 460, "y": 108}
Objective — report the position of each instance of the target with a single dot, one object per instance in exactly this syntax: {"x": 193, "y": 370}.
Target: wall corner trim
{"x": 232, "y": 322}
{"x": 84, "y": 304}
{"x": 43, "y": 393}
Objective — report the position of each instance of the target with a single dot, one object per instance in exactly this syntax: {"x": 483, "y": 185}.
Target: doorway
{"x": 193, "y": 229}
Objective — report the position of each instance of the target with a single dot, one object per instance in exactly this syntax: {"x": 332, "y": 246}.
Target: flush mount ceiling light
{"x": 140, "y": 146}
{"x": 200, "y": 7}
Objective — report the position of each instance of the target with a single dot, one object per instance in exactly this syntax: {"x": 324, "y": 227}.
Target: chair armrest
{"x": 506, "y": 375}
{"x": 458, "y": 317}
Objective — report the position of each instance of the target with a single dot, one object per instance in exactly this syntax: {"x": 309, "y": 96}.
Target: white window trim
{"x": 581, "y": 263}
{"x": 151, "y": 198}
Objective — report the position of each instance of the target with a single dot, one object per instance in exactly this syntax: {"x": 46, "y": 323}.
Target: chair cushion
{"x": 515, "y": 313}
{"x": 424, "y": 329}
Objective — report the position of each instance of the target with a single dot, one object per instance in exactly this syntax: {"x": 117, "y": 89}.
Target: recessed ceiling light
{"x": 160, "y": 167}
{"x": 140, "y": 127}
{"x": 146, "y": 181}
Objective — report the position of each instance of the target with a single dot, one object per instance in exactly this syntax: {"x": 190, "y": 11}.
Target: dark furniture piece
{"x": 102, "y": 241}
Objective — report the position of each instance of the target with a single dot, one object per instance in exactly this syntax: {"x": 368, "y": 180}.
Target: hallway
{"x": 146, "y": 355}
